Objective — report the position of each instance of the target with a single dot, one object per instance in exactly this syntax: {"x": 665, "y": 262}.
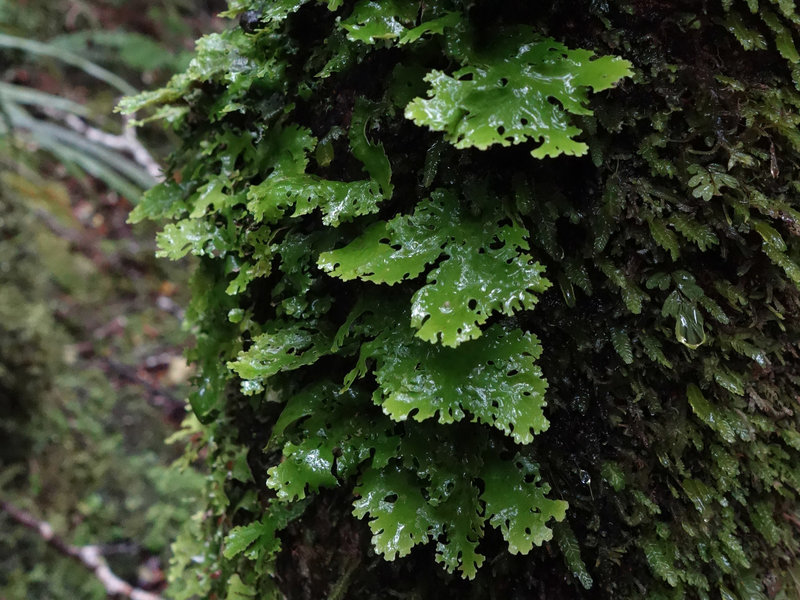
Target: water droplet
{"x": 689, "y": 329}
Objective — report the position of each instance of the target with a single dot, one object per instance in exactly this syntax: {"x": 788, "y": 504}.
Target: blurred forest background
{"x": 92, "y": 378}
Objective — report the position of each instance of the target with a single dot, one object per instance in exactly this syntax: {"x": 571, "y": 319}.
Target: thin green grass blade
{"x": 87, "y": 66}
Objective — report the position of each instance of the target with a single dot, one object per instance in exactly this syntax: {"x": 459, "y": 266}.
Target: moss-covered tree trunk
{"x": 495, "y": 299}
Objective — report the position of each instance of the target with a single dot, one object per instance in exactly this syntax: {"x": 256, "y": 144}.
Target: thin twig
{"x": 792, "y": 519}
{"x": 127, "y": 142}
{"x": 89, "y": 556}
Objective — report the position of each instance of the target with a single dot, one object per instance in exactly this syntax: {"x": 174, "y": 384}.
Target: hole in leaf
{"x": 553, "y": 101}
{"x": 391, "y": 498}
{"x": 504, "y": 82}
{"x": 472, "y": 304}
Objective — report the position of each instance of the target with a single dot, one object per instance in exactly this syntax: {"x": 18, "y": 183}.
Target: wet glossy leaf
{"x": 730, "y": 381}
{"x": 770, "y": 235}
{"x": 660, "y": 557}
{"x": 571, "y": 551}
{"x": 303, "y": 468}
{"x": 464, "y": 529}
{"x": 226, "y": 57}
{"x": 665, "y": 238}
{"x": 750, "y": 39}
{"x": 391, "y": 252}
{"x": 163, "y": 201}
{"x": 211, "y": 196}
{"x": 338, "y": 201}
{"x": 784, "y": 41}
{"x": 191, "y": 236}
{"x": 762, "y": 519}
{"x": 373, "y": 156}
{"x": 400, "y": 517}
{"x": 654, "y": 350}
{"x": 632, "y": 295}
{"x": 289, "y": 185}
{"x": 436, "y": 25}
{"x": 790, "y": 267}
{"x": 393, "y": 21}
{"x": 285, "y": 346}
{"x": 622, "y": 345}
{"x": 709, "y": 182}
{"x": 517, "y": 507}
{"x": 710, "y": 414}
{"x": 493, "y": 380}
{"x": 371, "y": 21}
{"x": 487, "y": 268}
{"x": 474, "y": 282}
{"x": 615, "y": 477}
{"x": 694, "y": 231}
{"x": 261, "y": 533}
{"x": 327, "y": 435}
{"x": 503, "y": 96}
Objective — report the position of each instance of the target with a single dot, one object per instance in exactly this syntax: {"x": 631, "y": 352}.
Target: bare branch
{"x": 89, "y": 556}
{"x": 127, "y": 142}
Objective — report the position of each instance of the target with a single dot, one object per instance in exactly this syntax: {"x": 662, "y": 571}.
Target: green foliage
{"x": 504, "y": 94}
{"x": 81, "y": 448}
{"x": 486, "y": 268}
{"x": 432, "y": 310}
{"x": 76, "y": 451}
{"x": 77, "y": 131}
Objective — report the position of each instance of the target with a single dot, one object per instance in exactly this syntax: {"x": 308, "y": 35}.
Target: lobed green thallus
{"x": 494, "y": 294}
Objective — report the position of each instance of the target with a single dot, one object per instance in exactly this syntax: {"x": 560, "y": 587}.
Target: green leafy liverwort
{"x": 418, "y": 303}
{"x": 503, "y": 94}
